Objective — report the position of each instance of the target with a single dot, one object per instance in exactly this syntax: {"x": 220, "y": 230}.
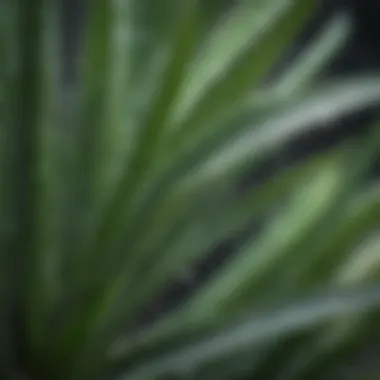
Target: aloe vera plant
{"x": 107, "y": 199}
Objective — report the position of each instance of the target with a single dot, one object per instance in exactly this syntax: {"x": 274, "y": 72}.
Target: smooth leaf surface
{"x": 261, "y": 328}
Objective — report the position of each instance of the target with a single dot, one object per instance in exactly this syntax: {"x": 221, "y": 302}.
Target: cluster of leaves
{"x": 108, "y": 198}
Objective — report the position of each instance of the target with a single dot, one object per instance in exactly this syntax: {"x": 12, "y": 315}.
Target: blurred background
{"x": 358, "y": 54}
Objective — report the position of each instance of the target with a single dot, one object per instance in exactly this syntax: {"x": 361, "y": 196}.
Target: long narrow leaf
{"x": 258, "y": 329}
{"x": 316, "y": 56}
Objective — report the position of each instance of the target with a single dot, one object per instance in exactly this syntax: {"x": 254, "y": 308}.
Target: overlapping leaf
{"x": 167, "y": 123}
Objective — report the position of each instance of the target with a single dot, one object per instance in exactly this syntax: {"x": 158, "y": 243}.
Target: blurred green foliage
{"x": 107, "y": 200}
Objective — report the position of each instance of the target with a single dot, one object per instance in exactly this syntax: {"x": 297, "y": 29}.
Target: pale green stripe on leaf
{"x": 251, "y": 265}
{"x": 364, "y": 263}
{"x": 315, "y": 56}
{"x": 240, "y": 78}
{"x": 115, "y": 136}
{"x": 270, "y": 130}
{"x": 239, "y": 30}
{"x": 263, "y": 327}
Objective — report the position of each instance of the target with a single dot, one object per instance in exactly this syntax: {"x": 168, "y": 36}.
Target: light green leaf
{"x": 245, "y": 73}
{"x": 314, "y": 58}
{"x": 240, "y": 30}
{"x": 248, "y": 271}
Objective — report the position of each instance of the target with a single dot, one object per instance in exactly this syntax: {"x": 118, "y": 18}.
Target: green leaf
{"x": 316, "y": 109}
{"x": 239, "y": 31}
{"x": 364, "y": 264}
{"x": 208, "y": 226}
{"x": 314, "y": 58}
{"x": 106, "y": 200}
{"x": 247, "y": 70}
{"x": 38, "y": 155}
{"x": 257, "y": 330}
{"x": 347, "y": 231}
{"x": 204, "y": 164}
{"x": 252, "y": 267}
{"x": 151, "y": 131}
{"x": 8, "y": 192}
{"x": 262, "y": 133}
